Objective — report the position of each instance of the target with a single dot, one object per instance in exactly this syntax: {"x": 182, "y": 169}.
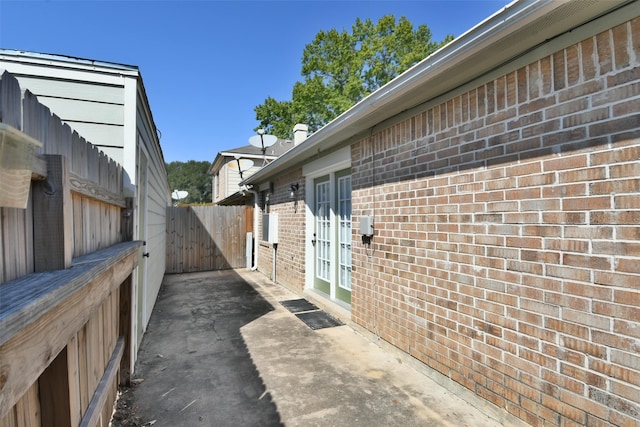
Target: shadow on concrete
{"x": 218, "y": 340}
{"x": 195, "y": 366}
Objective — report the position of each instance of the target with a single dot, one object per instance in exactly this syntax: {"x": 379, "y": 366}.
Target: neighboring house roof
{"x": 279, "y": 148}
{"x": 238, "y": 198}
{"x": 505, "y": 36}
{"x": 251, "y": 152}
{"x": 245, "y": 152}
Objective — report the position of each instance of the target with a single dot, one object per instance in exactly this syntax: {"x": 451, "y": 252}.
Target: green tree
{"x": 192, "y": 177}
{"x": 340, "y": 68}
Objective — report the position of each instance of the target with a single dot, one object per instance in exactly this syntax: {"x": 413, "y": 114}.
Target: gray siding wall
{"x": 104, "y": 103}
{"x": 158, "y": 198}
{"x": 95, "y": 109}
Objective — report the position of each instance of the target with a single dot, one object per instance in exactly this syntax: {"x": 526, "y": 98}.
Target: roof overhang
{"x": 519, "y": 27}
{"x": 237, "y": 199}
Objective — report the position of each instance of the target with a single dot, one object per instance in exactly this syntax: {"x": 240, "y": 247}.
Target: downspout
{"x": 256, "y": 207}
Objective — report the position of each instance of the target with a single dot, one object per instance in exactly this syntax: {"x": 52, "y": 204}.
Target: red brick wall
{"x": 291, "y": 216}
{"x": 506, "y": 253}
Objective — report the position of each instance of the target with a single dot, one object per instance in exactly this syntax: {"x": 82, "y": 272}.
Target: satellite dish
{"x": 241, "y": 165}
{"x": 179, "y": 195}
{"x": 263, "y": 141}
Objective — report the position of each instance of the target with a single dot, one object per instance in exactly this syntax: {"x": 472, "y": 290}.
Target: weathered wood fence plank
{"x": 34, "y": 308}
{"x": 59, "y": 328}
{"x": 204, "y": 238}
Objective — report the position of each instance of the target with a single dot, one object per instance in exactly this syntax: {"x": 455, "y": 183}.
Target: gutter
{"x": 444, "y": 67}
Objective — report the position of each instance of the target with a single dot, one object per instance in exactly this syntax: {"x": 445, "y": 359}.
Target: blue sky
{"x": 206, "y": 64}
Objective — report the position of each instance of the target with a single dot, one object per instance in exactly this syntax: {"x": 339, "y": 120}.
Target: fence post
{"x": 126, "y": 222}
{"x": 53, "y": 218}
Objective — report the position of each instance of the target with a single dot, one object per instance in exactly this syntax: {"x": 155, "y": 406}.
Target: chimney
{"x": 299, "y": 133}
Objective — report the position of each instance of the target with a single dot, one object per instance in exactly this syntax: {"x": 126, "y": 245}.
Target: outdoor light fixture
{"x": 293, "y": 189}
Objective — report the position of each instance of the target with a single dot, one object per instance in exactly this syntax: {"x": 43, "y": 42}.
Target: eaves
{"x": 519, "y": 27}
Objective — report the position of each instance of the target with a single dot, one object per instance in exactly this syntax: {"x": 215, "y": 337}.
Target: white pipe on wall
{"x": 256, "y": 208}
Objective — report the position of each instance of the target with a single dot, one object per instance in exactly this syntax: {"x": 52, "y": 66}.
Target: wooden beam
{"x": 126, "y": 221}
{"x": 99, "y": 399}
{"x": 41, "y": 313}
{"x": 39, "y": 168}
{"x": 53, "y": 218}
{"x": 27, "y": 298}
{"x": 88, "y": 188}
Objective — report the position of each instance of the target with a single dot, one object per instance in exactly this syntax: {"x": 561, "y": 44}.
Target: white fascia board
{"x": 68, "y": 62}
{"x": 246, "y": 156}
{"x": 215, "y": 165}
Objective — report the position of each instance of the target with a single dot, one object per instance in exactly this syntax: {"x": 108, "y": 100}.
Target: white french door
{"x": 332, "y": 235}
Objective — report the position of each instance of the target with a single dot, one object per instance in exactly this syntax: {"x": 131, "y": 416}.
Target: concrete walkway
{"x": 221, "y": 350}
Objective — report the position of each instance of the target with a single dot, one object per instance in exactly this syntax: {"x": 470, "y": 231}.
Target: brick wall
{"x": 290, "y": 268}
{"x": 507, "y": 251}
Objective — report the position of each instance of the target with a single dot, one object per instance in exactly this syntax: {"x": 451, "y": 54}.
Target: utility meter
{"x": 366, "y": 225}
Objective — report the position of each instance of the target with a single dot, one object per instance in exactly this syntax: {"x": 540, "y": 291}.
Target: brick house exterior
{"x": 506, "y": 209}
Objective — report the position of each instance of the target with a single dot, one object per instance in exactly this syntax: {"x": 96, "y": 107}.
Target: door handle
{"x": 313, "y": 241}
{"x": 146, "y": 254}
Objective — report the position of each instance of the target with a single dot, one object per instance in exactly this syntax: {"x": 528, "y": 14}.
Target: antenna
{"x": 178, "y": 195}
{"x": 241, "y": 165}
{"x": 263, "y": 141}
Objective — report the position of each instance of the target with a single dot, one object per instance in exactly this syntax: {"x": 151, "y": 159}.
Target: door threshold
{"x": 337, "y": 308}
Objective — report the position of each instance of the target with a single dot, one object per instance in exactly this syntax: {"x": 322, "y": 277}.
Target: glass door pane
{"x": 323, "y": 235}
{"x": 344, "y": 238}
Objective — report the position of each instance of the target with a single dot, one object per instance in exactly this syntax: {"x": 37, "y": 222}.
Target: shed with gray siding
{"x": 107, "y": 104}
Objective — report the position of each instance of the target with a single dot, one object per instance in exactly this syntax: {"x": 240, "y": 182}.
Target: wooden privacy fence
{"x": 204, "y": 238}
{"x": 66, "y": 264}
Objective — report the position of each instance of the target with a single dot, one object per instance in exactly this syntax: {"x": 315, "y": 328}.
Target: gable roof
{"x": 279, "y": 148}
{"x": 251, "y": 152}
{"x": 506, "y": 35}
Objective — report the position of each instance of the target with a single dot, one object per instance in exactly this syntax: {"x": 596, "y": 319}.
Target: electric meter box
{"x": 270, "y": 227}
{"x": 366, "y": 225}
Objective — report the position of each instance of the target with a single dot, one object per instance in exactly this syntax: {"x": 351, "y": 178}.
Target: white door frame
{"x": 328, "y": 165}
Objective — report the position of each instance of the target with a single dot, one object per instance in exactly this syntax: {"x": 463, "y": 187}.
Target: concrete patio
{"x": 221, "y": 350}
